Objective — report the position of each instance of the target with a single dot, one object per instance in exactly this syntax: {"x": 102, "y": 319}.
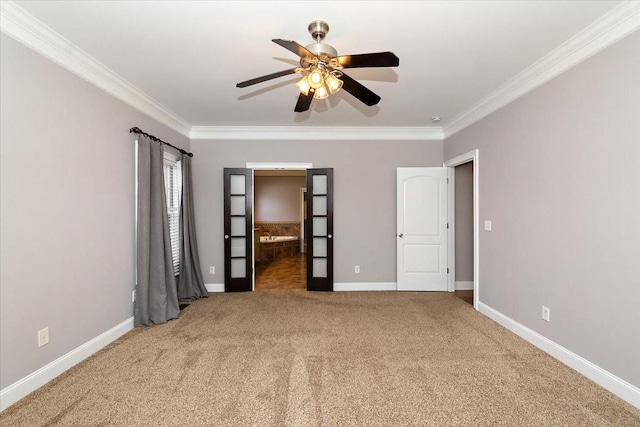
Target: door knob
{"x": 401, "y": 235}
{"x": 226, "y": 236}
{"x": 329, "y": 236}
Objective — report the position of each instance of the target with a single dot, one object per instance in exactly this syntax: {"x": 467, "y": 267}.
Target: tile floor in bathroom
{"x": 282, "y": 273}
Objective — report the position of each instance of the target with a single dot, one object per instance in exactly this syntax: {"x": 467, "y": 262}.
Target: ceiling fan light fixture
{"x": 315, "y": 78}
{"x": 303, "y": 85}
{"x": 333, "y": 83}
{"x": 321, "y": 92}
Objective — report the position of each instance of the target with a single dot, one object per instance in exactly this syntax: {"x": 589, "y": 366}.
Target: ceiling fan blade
{"x": 379, "y": 59}
{"x": 267, "y": 77}
{"x": 359, "y": 91}
{"x": 304, "y": 102}
{"x": 294, "y": 47}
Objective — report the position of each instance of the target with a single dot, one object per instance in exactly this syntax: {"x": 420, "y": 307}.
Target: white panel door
{"x": 422, "y": 229}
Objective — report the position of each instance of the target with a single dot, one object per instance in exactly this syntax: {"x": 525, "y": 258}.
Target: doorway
{"x": 279, "y": 226}
{"x": 241, "y": 235}
{"x": 463, "y": 215}
{"x": 470, "y": 177}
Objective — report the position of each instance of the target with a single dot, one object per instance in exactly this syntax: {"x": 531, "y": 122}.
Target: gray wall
{"x": 365, "y": 203}
{"x": 560, "y": 179}
{"x": 277, "y": 198}
{"x": 67, "y": 230}
{"x": 464, "y": 222}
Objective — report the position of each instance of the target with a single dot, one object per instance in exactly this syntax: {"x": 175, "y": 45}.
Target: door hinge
{"x": 447, "y": 225}
{"x": 447, "y": 270}
{"x": 447, "y": 180}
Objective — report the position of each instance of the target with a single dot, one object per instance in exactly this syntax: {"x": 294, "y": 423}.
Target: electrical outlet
{"x": 212, "y": 270}
{"x": 546, "y": 314}
{"x": 487, "y": 226}
{"x": 43, "y": 337}
{"x": 133, "y": 295}
{"x": 357, "y": 269}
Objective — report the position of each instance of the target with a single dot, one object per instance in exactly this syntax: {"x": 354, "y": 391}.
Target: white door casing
{"x": 421, "y": 238}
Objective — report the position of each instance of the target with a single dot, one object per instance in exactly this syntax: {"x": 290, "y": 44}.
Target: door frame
{"x": 471, "y": 156}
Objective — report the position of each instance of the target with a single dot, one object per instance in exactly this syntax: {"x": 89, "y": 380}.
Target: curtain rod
{"x": 153, "y": 138}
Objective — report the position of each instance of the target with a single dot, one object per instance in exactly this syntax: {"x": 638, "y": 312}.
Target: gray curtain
{"x": 156, "y": 294}
{"x": 190, "y": 283}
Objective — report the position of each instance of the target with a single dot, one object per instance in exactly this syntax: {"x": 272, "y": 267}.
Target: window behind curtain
{"x": 173, "y": 186}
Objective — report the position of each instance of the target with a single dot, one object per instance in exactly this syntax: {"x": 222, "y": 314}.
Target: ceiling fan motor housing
{"x": 318, "y": 30}
{"x": 322, "y": 51}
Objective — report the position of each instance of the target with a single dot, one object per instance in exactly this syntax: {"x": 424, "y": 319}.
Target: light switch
{"x": 487, "y": 226}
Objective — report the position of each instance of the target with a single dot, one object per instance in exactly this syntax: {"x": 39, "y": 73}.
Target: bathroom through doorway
{"x": 279, "y": 229}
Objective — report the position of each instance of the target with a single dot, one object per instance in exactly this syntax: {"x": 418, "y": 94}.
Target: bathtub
{"x": 274, "y": 247}
{"x": 275, "y": 239}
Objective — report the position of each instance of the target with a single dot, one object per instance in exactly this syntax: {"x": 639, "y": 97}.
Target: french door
{"x": 238, "y": 230}
{"x": 320, "y": 229}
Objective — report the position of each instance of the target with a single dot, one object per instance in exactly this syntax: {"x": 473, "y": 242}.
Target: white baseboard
{"x": 214, "y": 287}
{"x": 619, "y": 387}
{"x": 376, "y": 286}
{"x": 379, "y": 286}
{"x": 464, "y": 286}
{"x": 37, "y": 379}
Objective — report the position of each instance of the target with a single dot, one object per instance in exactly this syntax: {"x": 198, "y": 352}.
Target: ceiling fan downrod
{"x": 318, "y": 30}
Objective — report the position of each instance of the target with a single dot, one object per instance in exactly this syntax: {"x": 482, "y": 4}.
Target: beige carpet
{"x": 280, "y": 358}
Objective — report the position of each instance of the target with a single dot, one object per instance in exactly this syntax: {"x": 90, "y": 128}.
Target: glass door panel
{"x": 320, "y": 226}
{"x": 320, "y": 267}
{"x": 238, "y": 247}
{"x": 238, "y": 226}
{"x": 238, "y": 204}
{"x": 320, "y": 205}
{"x": 319, "y": 184}
{"x": 320, "y": 246}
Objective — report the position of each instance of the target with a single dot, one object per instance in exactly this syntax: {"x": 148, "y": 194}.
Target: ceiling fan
{"x": 322, "y": 69}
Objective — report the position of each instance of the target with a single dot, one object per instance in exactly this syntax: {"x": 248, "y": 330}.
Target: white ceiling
{"x": 189, "y": 55}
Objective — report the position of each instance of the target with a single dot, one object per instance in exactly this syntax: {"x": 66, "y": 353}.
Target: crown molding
{"x": 20, "y": 25}
{"x": 615, "y": 25}
{"x": 25, "y": 28}
{"x": 316, "y": 133}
